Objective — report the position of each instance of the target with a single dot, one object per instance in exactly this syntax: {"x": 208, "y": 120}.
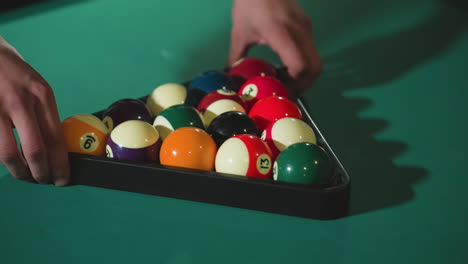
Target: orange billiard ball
{"x": 86, "y": 134}
{"x": 189, "y": 147}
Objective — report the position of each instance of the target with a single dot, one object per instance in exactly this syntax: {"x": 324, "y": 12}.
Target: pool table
{"x": 391, "y": 102}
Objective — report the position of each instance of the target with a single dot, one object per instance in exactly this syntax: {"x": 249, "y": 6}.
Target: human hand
{"x": 27, "y": 103}
{"x": 282, "y": 25}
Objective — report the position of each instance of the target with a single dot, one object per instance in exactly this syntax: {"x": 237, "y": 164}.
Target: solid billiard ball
{"x": 194, "y": 96}
{"x": 260, "y": 87}
{"x": 245, "y": 155}
{"x": 218, "y": 102}
{"x": 166, "y": 95}
{"x": 249, "y": 67}
{"x": 86, "y": 134}
{"x": 230, "y": 124}
{"x": 134, "y": 140}
{"x": 270, "y": 109}
{"x": 175, "y": 117}
{"x": 303, "y": 163}
{"x": 189, "y": 147}
{"x": 124, "y": 110}
{"x": 287, "y": 131}
{"x": 211, "y": 81}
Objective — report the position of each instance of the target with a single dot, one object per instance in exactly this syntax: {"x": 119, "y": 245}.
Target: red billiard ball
{"x": 260, "y": 87}
{"x": 245, "y": 155}
{"x": 249, "y": 67}
{"x": 270, "y": 109}
{"x": 287, "y": 131}
{"x": 218, "y": 102}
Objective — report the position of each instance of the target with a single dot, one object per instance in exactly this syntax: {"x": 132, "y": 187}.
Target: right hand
{"x": 27, "y": 103}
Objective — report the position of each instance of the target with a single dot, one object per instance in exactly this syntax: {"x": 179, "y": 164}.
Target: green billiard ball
{"x": 177, "y": 116}
{"x": 303, "y": 163}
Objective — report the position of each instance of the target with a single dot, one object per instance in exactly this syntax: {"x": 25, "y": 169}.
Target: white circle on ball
{"x": 225, "y": 92}
{"x": 263, "y": 164}
{"x": 249, "y": 92}
{"x": 109, "y": 152}
{"x": 275, "y": 171}
{"x": 232, "y": 157}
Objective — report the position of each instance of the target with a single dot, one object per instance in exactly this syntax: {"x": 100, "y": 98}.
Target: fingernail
{"x": 61, "y": 182}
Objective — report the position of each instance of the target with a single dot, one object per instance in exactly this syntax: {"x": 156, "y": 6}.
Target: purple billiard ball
{"x": 124, "y": 110}
{"x": 134, "y": 140}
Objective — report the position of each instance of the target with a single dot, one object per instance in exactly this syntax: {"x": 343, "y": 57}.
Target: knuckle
{"x": 41, "y": 90}
{"x": 16, "y": 101}
{"x": 34, "y": 154}
{"x": 9, "y": 158}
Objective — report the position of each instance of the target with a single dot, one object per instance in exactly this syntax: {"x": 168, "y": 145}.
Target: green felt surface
{"x": 391, "y": 102}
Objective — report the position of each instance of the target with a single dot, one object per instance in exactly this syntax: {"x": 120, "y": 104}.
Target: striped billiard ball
{"x": 175, "y": 117}
{"x": 245, "y": 155}
{"x": 134, "y": 140}
{"x": 287, "y": 131}
{"x": 85, "y": 133}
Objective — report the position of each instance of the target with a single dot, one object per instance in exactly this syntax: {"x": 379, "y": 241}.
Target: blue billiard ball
{"x": 211, "y": 81}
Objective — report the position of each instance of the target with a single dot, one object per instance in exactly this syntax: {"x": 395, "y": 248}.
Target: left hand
{"x": 282, "y": 25}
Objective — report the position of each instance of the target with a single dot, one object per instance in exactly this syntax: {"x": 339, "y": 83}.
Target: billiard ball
{"x": 189, "y": 147}
{"x": 230, "y": 124}
{"x": 134, "y": 140}
{"x": 287, "y": 131}
{"x": 86, "y": 134}
{"x": 175, "y": 117}
{"x": 245, "y": 155}
{"x": 218, "y": 102}
{"x": 303, "y": 163}
{"x": 211, "y": 81}
{"x": 194, "y": 96}
{"x": 246, "y": 68}
{"x": 124, "y": 110}
{"x": 166, "y": 95}
{"x": 270, "y": 109}
{"x": 260, "y": 87}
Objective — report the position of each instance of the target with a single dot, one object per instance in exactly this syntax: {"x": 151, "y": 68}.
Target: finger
{"x": 281, "y": 41}
{"x": 52, "y": 133}
{"x": 314, "y": 62}
{"x": 239, "y": 46}
{"x": 297, "y": 52}
{"x": 32, "y": 143}
{"x": 9, "y": 153}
